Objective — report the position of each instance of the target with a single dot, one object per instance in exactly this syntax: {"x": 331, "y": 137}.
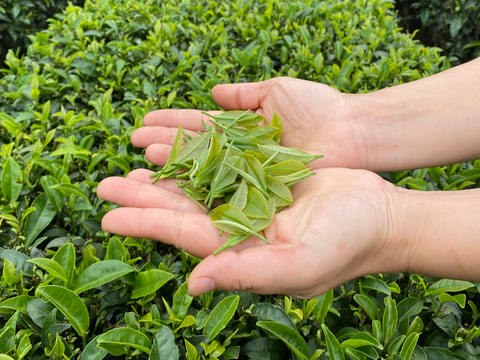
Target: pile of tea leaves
{"x": 238, "y": 162}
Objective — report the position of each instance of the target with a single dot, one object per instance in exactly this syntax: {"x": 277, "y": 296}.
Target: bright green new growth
{"x": 244, "y": 166}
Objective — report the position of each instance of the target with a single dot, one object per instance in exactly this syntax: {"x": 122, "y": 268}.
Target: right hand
{"x": 316, "y": 118}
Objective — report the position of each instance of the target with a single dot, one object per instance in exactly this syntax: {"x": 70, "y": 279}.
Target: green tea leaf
{"x": 256, "y": 207}
{"x": 69, "y": 304}
{"x": 335, "y": 351}
{"x": 265, "y": 311}
{"x": 232, "y": 214}
{"x": 18, "y": 303}
{"x": 286, "y": 167}
{"x": 220, "y": 316}
{"x": 409, "y": 346}
{"x": 277, "y": 123}
{"x": 367, "y": 305}
{"x": 239, "y": 118}
{"x": 164, "y": 347}
{"x": 181, "y": 301}
{"x": 285, "y": 153}
{"x": 92, "y": 352}
{"x": 51, "y": 266}
{"x": 11, "y": 180}
{"x": 260, "y": 224}
{"x": 101, "y": 273}
{"x": 361, "y": 339}
{"x": 446, "y": 285}
{"x": 193, "y": 149}
{"x": 55, "y": 196}
{"x": 39, "y": 219}
{"x": 68, "y": 190}
{"x": 239, "y": 199}
{"x": 279, "y": 191}
{"x": 390, "y": 319}
{"x": 150, "y": 281}
{"x": 128, "y": 337}
{"x": 115, "y": 250}
{"x": 289, "y": 336}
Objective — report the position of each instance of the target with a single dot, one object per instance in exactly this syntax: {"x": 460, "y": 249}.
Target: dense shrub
{"x": 67, "y": 109}
{"x": 452, "y": 25}
{"x": 20, "y": 18}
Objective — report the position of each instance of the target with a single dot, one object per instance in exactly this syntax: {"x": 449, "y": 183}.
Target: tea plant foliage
{"x": 67, "y": 109}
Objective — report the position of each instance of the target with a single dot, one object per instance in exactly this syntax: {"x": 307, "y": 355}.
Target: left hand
{"x": 339, "y": 227}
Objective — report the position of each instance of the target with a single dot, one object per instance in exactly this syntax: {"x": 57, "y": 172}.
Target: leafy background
{"x": 67, "y": 109}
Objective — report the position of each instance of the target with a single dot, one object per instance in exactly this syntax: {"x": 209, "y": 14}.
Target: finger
{"x": 127, "y": 192}
{"x": 143, "y": 176}
{"x": 265, "y": 269}
{"x": 147, "y": 136}
{"x": 191, "y": 232}
{"x": 190, "y": 119}
{"x": 242, "y": 96}
{"x": 158, "y": 153}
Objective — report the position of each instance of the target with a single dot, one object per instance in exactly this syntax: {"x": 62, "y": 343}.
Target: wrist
{"x": 436, "y": 233}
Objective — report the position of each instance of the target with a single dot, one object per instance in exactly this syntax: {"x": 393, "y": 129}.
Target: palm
{"x": 324, "y": 238}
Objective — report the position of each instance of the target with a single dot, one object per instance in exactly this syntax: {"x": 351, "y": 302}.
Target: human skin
{"x": 348, "y": 223}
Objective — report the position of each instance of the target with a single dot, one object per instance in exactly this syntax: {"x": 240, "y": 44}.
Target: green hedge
{"x": 452, "y": 25}
{"x": 21, "y": 18}
{"x": 67, "y": 109}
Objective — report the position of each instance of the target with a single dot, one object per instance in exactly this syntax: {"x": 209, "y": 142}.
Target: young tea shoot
{"x": 239, "y": 163}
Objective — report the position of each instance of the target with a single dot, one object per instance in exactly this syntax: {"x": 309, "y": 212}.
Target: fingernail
{"x": 201, "y": 286}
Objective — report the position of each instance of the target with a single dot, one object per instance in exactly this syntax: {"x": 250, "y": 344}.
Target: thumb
{"x": 242, "y": 96}
{"x": 265, "y": 269}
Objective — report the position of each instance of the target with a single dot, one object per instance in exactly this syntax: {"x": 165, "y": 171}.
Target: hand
{"x": 316, "y": 118}
{"x": 338, "y": 228}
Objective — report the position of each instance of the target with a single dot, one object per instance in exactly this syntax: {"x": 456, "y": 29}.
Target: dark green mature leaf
{"x": 289, "y": 336}
{"x": 92, "y": 352}
{"x": 38, "y": 311}
{"x": 441, "y": 354}
{"x": 55, "y": 196}
{"x": 126, "y": 336}
{"x": 220, "y": 316}
{"x": 69, "y": 304}
{"x": 150, "y": 281}
{"x": 164, "y": 347}
{"x": 39, "y": 219}
{"x": 11, "y": 180}
{"x": 101, "y": 273}
{"x": 265, "y": 311}
{"x": 7, "y": 340}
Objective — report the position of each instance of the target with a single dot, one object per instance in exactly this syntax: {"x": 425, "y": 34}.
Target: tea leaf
{"x": 289, "y": 336}
{"x": 256, "y": 207}
{"x": 69, "y": 304}
{"x": 101, "y": 273}
{"x": 239, "y": 199}
{"x": 277, "y": 123}
{"x": 150, "y": 281}
{"x": 279, "y": 191}
{"x": 164, "y": 347}
{"x": 239, "y": 118}
{"x": 285, "y": 153}
{"x": 11, "y": 180}
{"x": 128, "y": 337}
{"x": 220, "y": 316}
{"x": 286, "y": 167}
{"x": 51, "y": 266}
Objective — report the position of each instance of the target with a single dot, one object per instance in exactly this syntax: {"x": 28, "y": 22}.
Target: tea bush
{"x": 21, "y": 18}
{"x": 67, "y": 109}
{"x": 452, "y": 25}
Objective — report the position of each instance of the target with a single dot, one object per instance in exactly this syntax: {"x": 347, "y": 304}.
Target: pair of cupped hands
{"x": 338, "y": 227}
